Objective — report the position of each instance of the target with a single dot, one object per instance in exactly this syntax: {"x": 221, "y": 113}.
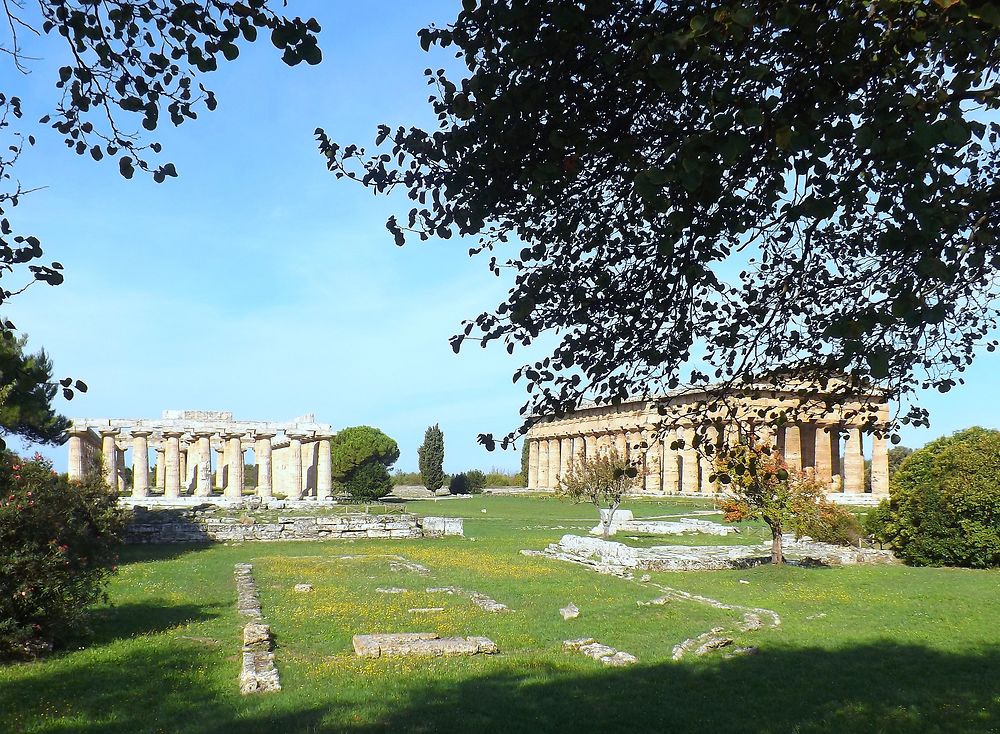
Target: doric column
{"x": 185, "y": 485}
{"x": 579, "y": 450}
{"x": 543, "y": 463}
{"x": 854, "y": 462}
{"x": 158, "y": 477}
{"x": 653, "y": 480}
{"x": 140, "y": 463}
{"x": 553, "y": 470}
{"x": 671, "y": 469}
{"x": 262, "y": 457}
{"x": 172, "y": 460}
{"x": 234, "y": 468}
{"x": 220, "y": 464}
{"x": 203, "y": 481}
{"x": 880, "y": 465}
{"x": 565, "y": 456}
{"x": 324, "y": 469}
{"x": 706, "y": 462}
{"x": 792, "y": 446}
{"x": 689, "y": 463}
{"x": 109, "y": 453}
{"x": 620, "y": 442}
{"x": 532, "y": 479}
{"x": 77, "y": 462}
{"x": 294, "y": 466}
{"x": 825, "y": 437}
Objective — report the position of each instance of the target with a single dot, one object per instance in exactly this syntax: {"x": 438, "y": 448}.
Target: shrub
{"x": 477, "y": 481}
{"x": 830, "y": 523}
{"x": 58, "y": 546}
{"x": 944, "y": 505}
{"x": 459, "y": 484}
{"x": 370, "y": 481}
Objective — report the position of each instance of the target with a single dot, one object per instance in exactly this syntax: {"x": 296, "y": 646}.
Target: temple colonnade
{"x": 200, "y": 453}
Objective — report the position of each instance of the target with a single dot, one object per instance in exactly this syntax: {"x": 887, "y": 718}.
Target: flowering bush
{"x": 58, "y": 546}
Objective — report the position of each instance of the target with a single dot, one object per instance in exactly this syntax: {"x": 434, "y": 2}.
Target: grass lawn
{"x": 878, "y": 649}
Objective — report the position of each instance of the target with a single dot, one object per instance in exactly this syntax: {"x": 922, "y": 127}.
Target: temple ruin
{"x": 824, "y": 436}
{"x": 292, "y": 458}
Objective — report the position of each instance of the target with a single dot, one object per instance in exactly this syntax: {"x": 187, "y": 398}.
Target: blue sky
{"x": 258, "y": 283}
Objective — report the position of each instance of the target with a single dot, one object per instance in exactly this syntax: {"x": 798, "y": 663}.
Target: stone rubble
{"x": 201, "y": 525}
{"x": 258, "y": 673}
{"x": 570, "y": 611}
{"x": 401, "y": 564}
{"x": 390, "y": 590}
{"x": 303, "y": 588}
{"x": 619, "y": 559}
{"x": 484, "y": 602}
{"x": 426, "y": 644}
{"x": 702, "y": 644}
{"x": 602, "y": 653}
{"x": 623, "y": 521}
{"x": 423, "y": 610}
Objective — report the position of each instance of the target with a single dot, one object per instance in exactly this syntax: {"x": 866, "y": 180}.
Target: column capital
{"x": 110, "y": 431}
{"x": 261, "y": 435}
{"x": 140, "y": 433}
{"x": 203, "y": 434}
{"x": 173, "y": 434}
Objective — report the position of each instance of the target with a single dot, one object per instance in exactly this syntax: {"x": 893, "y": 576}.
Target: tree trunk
{"x": 606, "y": 524}
{"x": 776, "y": 556}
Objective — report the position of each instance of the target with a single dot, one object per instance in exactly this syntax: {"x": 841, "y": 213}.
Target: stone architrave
{"x": 854, "y": 462}
{"x": 203, "y": 481}
{"x": 792, "y": 446}
{"x": 140, "y": 463}
{"x": 294, "y": 466}
{"x": 324, "y": 469}
{"x": 234, "y": 460}
{"x": 671, "y": 470}
{"x": 109, "y": 453}
{"x": 533, "y": 463}
{"x": 690, "y": 483}
{"x": 172, "y": 461}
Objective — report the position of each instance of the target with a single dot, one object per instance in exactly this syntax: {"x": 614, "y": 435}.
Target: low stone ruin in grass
{"x": 425, "y": 644}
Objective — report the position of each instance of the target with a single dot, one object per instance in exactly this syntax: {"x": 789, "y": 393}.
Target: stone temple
{"x": 292, "y": 458}
{"x": 825, "y": 437}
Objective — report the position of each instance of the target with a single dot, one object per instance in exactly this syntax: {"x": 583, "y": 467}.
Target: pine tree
{"x": 430, "y": 457}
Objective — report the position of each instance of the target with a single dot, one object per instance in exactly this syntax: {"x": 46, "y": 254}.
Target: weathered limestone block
{"x": 440, "y": 526}
{"x": 603, "y": 653}
{"x": 570, "y": 611}
{"x": 303, "y": 588}
{"x": 427, "y": 644}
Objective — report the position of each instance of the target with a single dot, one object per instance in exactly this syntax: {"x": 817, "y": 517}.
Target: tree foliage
{"x": 803, "y": 189}
{"x": 944, "y": 506}
{"x": 430, "y": 458}
{"x": 369, "y": 481}
{"x": 759, "y": 486}
{"x": 26, "y": 393}
{"x": 58, "y": 546}
{"x": 126, "y": 64}
{"x": 603, "y": 480}
{"x": 354, "y": 447}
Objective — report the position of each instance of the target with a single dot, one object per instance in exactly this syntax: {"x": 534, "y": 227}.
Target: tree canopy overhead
{"x": 761, "y": 189}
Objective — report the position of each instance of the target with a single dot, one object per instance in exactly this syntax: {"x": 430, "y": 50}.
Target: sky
{"x": 258, "y": 283}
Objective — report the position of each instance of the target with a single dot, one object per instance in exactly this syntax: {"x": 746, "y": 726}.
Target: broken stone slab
{"x": 702, "y": 644}
{"x": 442, "y": 526}
{"x": 257, "y": 635}
{"x": 303, "y": 588}
{"x": 426, "y": 644}
{"x": 603, "y": 653}
{"x": 423, "y": 610}
{"x": 751, "y": 622}
{"x": 390, "y": 590}
{"x": 570, "y": 611}
{"x": 488, "y": 604}
{"x": 737, "y": 651}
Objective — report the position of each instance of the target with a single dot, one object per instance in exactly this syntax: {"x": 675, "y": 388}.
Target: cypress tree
{"x": 430, "y": 457}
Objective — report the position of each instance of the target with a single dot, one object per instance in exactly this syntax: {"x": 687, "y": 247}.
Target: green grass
{"x": 876, "y": 649}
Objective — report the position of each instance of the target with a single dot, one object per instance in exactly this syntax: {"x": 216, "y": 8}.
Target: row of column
{"x": 172, "y": 458}
{"x": 666, "y": 470}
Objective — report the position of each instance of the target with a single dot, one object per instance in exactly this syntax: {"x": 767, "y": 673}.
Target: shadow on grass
{"x": 143, "y": 553}
{"x": 149, "y": 689}
{"x": 123, "y": 621}
{"x": 880, "y": 687}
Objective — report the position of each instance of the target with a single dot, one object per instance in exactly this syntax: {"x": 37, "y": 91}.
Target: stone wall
{"x": 195, "y": 526}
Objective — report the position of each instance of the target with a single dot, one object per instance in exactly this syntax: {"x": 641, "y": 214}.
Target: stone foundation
{"x": 196, "y": 526}
{"x": 423, "y": 644}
